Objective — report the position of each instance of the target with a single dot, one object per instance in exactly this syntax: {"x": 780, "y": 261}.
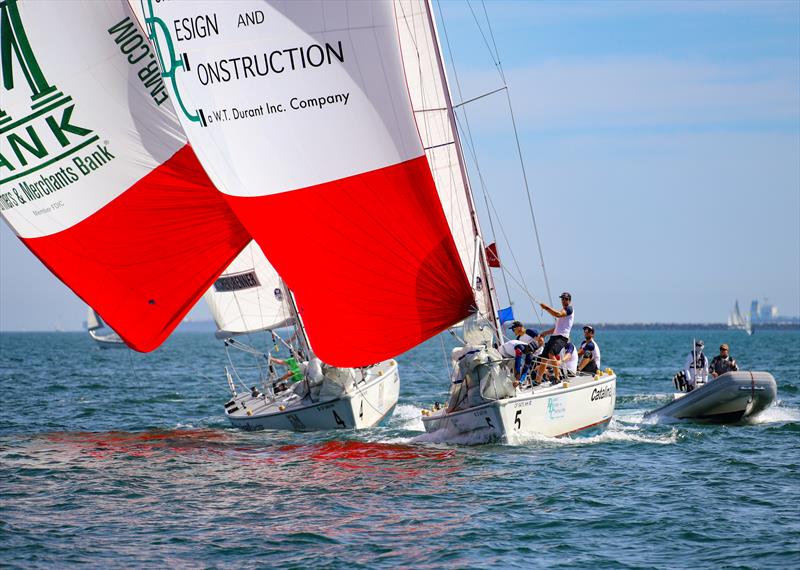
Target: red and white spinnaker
{"x": 96, "y": 176}
{"x": 300, "y": 114}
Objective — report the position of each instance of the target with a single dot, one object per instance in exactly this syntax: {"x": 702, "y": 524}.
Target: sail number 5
{"x": 518, "y": 419}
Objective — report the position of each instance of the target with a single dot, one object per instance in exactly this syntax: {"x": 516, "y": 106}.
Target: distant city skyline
{"x": 661, "y": 141}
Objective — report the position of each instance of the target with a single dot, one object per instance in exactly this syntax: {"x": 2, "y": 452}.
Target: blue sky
{"x": 661, "y": 142}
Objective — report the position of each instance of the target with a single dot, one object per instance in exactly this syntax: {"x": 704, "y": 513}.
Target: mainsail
{"x": 96, "y": 177}
{"x": 249, "y": 296}
{"x": 300, "y": 113}
{"x": 433, "y": 112}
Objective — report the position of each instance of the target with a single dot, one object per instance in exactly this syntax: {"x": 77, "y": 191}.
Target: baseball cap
{"x": 588, "y": 328}
{"x": 699, "y": 343}
{"x": 515, "y": 324}
{"x": 565, "y": 295}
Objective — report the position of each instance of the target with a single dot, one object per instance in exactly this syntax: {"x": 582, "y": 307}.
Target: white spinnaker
{"x": 249, "y": 296}
{"x": 429, "y": 99}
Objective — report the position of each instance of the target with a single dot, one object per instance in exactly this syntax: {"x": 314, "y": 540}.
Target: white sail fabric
{"x": 260, "y": 68}
{"x": 427, "y": 86}
{"x": 93, "y": 320}
{"x": 249, "y": 296}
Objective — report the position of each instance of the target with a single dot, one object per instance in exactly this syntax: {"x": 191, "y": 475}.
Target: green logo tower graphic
{"x": 14, "y": 44}
{"x": 46, "y": 134}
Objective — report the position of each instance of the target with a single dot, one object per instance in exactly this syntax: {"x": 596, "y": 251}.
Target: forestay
{"x": 249, "y": 296}
{"x": 300, "y": 114}
{"x": 96, "y": 177}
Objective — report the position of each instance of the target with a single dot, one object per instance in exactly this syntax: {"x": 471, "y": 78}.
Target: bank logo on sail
{"x": 48, "y": 132}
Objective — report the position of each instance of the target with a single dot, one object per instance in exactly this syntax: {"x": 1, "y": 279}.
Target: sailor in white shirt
{"x": 569, "y": 360}
{"x": 559, "y": 334}
{"x": 696, "y": 366}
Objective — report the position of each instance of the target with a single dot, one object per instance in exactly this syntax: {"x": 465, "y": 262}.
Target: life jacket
{"x": 700, "y": 361}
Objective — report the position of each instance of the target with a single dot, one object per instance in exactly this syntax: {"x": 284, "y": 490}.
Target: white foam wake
{"x": 408, "y": 417}
{"x": 777, "y": 413}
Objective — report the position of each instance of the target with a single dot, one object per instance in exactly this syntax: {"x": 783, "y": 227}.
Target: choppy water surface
{"x": 115, "y": 459}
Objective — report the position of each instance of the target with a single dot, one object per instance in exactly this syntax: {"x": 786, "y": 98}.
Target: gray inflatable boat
{"x": 732, "y": 397}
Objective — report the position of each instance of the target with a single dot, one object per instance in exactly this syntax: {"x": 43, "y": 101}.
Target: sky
{"x": 661, "y": 142}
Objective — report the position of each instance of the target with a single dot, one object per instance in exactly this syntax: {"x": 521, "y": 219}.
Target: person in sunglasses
{"x": 723, "y": 362}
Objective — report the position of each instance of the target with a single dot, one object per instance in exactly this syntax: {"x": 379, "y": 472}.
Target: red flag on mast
{"x": 491, "y": 255}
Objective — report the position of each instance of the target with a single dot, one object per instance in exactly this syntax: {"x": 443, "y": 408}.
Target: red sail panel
{"x": 370, "y": 260}
{"x": 145, "y": 259}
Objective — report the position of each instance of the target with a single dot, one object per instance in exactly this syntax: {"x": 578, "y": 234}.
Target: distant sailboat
{"x": 737, "y": 321}
{"x": 101, "y": 333}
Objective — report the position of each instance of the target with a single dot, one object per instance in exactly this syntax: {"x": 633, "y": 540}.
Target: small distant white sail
{"x": 738, "y": 321}
{"x": 93, "y": 320}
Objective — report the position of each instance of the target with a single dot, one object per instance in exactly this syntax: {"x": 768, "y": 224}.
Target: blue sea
{"x": 114, "y": 459}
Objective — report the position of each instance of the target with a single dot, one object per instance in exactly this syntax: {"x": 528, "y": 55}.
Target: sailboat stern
{"x": 365, "y": 404}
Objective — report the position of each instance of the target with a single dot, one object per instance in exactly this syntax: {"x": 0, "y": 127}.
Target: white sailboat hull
{"x": 370, "y": 402}
{"x": 110, "y": 340}
{"x": 553, "y": 411}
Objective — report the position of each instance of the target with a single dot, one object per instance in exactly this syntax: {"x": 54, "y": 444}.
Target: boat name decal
{"x": 236, "y": 282}
{"x": 601, "y": 393}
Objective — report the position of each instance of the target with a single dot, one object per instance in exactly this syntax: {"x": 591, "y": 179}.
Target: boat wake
{"x": 407, "y": 417}
{"x": 617, "y": 431}
{"x": 775, "y": 414}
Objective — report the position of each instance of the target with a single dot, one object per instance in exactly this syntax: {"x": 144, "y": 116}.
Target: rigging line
{"x": 519, "y": 148}
{"x": 495, "y": 60}
{"x": 537, "y": 311}
{"x": 530, "y": 199}
{"x": 444, "y": 356}
{"x": 471, "y": 145}
{"x": 473, "y": 153}
{"x": 423, "y": 371}
{"x": 491, "y": 35}
{"x": 479, "y": 96}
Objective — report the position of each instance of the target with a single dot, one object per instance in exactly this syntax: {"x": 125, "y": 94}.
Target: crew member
{"x": 696, "y": 368}
{"x": 589, "y": 352}
{"x": 569, "y": 360}
{"x": 522, "y": 353}
{"x": 559, "y": 334}
{"x": 723, "y": 362}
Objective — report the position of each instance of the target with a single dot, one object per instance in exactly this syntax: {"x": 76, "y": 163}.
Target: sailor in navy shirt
{"x": 589, "y": 352}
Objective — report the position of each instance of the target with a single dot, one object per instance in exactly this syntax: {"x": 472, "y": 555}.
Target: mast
{"x": 488, "y": 281}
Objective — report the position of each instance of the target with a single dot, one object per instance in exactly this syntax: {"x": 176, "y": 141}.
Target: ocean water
{"x": 113, "y": 459}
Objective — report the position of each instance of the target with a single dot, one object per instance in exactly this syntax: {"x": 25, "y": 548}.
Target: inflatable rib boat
{"x": 732, "y": 397}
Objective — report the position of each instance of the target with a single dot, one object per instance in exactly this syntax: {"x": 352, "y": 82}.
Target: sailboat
{"x": 100, "y": 333}
{"x": 483, "y": 398}
{"x": 737, "y": 321}
{"x": 250, "y": 298}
